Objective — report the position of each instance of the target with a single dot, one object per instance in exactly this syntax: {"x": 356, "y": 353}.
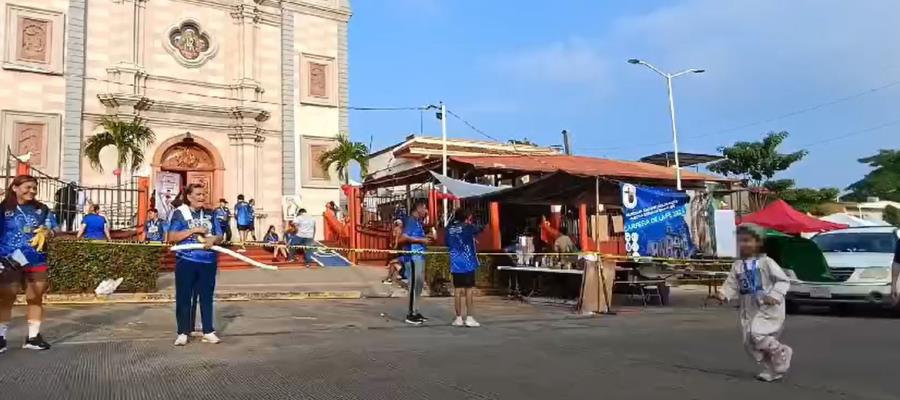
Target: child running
{"x": 760, "y": 284}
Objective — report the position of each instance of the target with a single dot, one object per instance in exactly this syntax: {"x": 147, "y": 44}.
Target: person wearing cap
{"x": 222, "y": 216}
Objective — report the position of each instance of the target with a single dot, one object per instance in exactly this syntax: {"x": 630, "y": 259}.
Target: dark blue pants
{"x": 190, "y": 277}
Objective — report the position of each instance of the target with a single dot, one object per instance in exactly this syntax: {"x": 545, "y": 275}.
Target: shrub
{"x": 79, "y": 266}
{"x": 438, "y": 278}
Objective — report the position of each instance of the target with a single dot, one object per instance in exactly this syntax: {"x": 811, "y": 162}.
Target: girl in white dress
{"x": 759, "y": 284}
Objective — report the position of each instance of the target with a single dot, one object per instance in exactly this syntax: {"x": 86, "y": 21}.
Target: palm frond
{"x": 342, "y": 155}
{"x": 130, "y": 138}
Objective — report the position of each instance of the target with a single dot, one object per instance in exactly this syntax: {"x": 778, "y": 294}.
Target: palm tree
{"x": 130, "y": 138}
{"x": 342, "y": 155}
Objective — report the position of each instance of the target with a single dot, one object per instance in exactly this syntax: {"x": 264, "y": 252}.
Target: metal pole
{"x": 444, "y": 156}
{"x": 674, "y": 132}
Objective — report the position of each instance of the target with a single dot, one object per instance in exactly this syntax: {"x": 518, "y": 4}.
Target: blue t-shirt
{"x": 243, "y": 213}
{"x": 94, "y": 227}
{"x": 155, "y": 230}
{"x": 413, "y": 228}
{"x": 198, "y": 218}
{"x": 223, "y": 216}
{"x": 461, "y": 241}
{"x": 18, "y": 230}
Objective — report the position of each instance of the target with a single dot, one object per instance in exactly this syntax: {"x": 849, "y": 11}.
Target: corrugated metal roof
{"x": 582, "y": 166}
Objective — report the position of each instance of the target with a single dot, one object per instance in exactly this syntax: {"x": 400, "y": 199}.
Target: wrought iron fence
{"x": 70, "y": 201}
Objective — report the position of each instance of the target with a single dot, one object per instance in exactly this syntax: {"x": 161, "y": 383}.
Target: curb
{"x": 151, "y": 298}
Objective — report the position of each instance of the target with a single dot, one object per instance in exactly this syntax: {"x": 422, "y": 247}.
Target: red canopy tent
{"x": 781, "y": 217}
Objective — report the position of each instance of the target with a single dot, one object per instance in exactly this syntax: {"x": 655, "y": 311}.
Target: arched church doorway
{"x": 190, "y": 159}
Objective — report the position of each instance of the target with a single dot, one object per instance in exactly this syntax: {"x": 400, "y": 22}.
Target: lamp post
{"x": 669, "y": 78}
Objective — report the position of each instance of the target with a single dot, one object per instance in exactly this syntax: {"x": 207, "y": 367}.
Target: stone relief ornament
{"x": 318, "y": 79}
{"x": 189, "y": 44}
{"x": 34, "y": 40}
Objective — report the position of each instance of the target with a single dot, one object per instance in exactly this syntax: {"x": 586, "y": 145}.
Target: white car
{"x": 860, "y": 259}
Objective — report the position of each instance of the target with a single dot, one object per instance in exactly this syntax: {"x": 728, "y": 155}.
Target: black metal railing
{"x": 70, "y": 201}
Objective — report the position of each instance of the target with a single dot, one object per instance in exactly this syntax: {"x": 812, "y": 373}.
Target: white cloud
{"x": 574, "y": 61}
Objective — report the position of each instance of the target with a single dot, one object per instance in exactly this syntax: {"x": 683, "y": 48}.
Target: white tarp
{"x": 463, "y": 189}
{"x": 851, "y": 221}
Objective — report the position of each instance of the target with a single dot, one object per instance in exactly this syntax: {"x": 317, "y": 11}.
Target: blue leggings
{"x": 191, "y": 277}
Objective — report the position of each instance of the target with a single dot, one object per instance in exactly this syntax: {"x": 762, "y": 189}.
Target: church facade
{"x": 243, "y": 95}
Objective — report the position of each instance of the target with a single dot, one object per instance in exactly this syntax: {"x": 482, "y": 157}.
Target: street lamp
{"x": 669, "y": 77}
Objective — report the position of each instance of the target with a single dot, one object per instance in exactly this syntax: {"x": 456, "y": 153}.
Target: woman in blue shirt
{"x": 23, "y": 217}
{"x": 463, "y": 263}
{"x": 94, "y": 225}
{"x": 194, "y": 269}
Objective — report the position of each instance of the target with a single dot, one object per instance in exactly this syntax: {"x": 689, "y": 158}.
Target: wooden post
{"x": 354, "y": 209}
{"x": 496, "y": 241}
{"x": 143, "y": 184}
{"x": 583, "y": 240}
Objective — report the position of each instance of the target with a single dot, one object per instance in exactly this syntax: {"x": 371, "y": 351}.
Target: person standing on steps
{"x": 460, "y": 236}
{"x": 252, "y": 204}
{"x": 195, "y": 269}
{"x": 94, "y": 226}
{"x": 416, "y": 242}
{"x": 306, "y": 233}
{"x": 223, "y": 218}
{"x": 243, "y": 216}
{"x": 23, "y": 218}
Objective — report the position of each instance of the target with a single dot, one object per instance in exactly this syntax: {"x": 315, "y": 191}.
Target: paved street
{"x": 348, "y": 350}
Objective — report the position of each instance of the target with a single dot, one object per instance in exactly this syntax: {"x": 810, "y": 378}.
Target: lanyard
{"x": 751, "y": 272}
{"x": 27, "y": 228}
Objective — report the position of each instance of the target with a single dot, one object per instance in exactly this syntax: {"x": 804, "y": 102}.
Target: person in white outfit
{"x": 759, "y": 284}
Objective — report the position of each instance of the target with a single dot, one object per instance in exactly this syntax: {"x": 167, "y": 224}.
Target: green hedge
{"x": 439, "y": 280}
{"x": 79, "y": 266}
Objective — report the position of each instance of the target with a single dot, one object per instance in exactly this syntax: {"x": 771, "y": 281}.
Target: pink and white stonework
{"x": 242, "y": 94}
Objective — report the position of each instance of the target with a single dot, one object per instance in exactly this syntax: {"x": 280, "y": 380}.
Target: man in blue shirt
{"x": 93, "y": 225}
{"x": 463, "y": 262}
{"x": 155, "y": 227}
{"x": 243, "y": 216}
{"x": 415, "y": 241}
{"x": 223, "y": 218}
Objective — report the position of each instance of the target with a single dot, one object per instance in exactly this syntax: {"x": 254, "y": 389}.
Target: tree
{"x": 813, "y": 201}
{"x": 882, "y": 182}
{"x": 892, "y": 215}
{"x": 757, "y": 162}
{"x": 342, "y": 155}
{"x": 130, "y": 138}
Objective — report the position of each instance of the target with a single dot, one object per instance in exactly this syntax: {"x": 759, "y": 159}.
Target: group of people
{"x": 299, "y": 235}
{"x": 756, "y": 280}
{"x": 408, "y": 237}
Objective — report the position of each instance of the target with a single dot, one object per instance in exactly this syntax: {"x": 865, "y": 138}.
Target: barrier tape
{"x": 674, "y": 261}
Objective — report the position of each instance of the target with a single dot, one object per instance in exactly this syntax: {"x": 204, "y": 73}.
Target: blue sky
{"x": 826, "y": 71}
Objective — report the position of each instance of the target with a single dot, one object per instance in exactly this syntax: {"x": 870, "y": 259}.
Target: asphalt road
{"x": 348, "y": 350}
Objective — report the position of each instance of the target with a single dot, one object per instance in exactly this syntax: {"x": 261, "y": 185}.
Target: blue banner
{"x": 655, "y": 222}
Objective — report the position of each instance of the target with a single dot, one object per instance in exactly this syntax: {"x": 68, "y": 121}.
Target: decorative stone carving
{"x": 189, "y": 44}
{"x": 318, "y": 80}
{"x": 34, "y": 40}
{"x": 184, "y": 157}
{"x": 30, "y": 137}
{"x": 316, "y": 171}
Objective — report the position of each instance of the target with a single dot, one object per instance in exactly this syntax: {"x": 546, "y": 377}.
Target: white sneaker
{"x": 181, "y": 340}
{"x": 472, "y": 323}
{"x": 458, "y": 322}
{"x": 210, "y": 338}
{"x": 769, "y": 376}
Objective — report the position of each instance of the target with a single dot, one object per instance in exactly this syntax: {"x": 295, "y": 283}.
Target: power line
{"x": 851, "y": 133}
{"x": 766, "y": 120}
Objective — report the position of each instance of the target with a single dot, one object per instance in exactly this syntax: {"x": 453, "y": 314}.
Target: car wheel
{"x": 791, "y": 307}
